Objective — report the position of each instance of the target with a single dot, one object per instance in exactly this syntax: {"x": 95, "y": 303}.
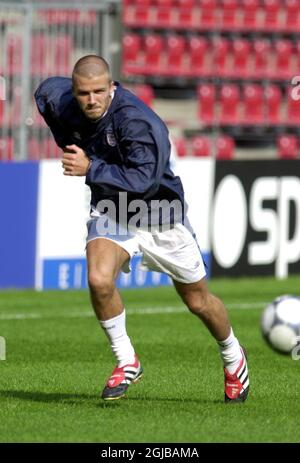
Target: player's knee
{"x": 101, "y": 283}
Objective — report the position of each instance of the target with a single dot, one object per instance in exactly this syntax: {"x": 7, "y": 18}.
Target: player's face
{"x": 93, "y": 94}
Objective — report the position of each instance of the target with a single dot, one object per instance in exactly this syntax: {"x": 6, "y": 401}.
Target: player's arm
{"x": 141, "y": 171}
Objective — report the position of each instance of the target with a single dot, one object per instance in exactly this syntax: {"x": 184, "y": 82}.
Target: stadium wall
{"x": 246, "y": 215}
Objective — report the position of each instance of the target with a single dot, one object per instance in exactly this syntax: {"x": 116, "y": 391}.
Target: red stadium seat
{"x": 253, "y": 105}
{"x": 271, "y": 18}
{"x": 14, "y": 111}
{"x": 2, "y": 103}
{"x": 131, "y": 62}
{"x": 229, "y": 15}
{"x": 63, "y": 48}
{"x": 283, "y": 59}
{"x": 253, "y": 100}
{"x": 153, "y": 54}
{"x": 49, "y": 149}
{"x": 57, "y": 16}
{"x": 221, "y": 64}
{"x": 261, "y": 59}
{"x": 292, "y": 16}
{"x": 181, "y": 146}
{"x": 297, "y": 57}
{"x": 33, "y": 149}
{"x": 6, "y": 149}
{"x": 14, "y": 54}
{"x": 142, "y": 12}
{"x": 206, "y": 103}
{"x": 201, "y": 146}
{"x": 225, "y": 147}
{"x": 240, "y": 58}
{"x": 175, "y": 48}
{"x": 186, "y": 13}
{"x": 197, "y": 54}
{"x": 229, "y": 105}
{"x": 273, "y": 104}
{"x": 164, "y": 16}
{"x": 39, "y": 57}
{"x": 145, "y": 93}
{"x": 293, "y": 108}
{"x": 250, "y": 15}
{"x": 287, "y": 147}
{"x": 208, "y": 15}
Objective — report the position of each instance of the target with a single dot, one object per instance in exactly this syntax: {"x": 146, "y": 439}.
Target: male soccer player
{"x": 121, "y": 146}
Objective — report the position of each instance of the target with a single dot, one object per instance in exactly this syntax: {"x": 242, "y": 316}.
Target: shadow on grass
{"x": 49, "y": 397}
{"x": 77, "y": 399}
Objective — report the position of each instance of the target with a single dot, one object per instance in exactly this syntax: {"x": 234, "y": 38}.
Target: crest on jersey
{"x": 111, "y": 139}
{"x": 76, "y": 135}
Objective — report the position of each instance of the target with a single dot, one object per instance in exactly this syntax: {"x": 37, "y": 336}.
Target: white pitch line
{"x": 145, "y": 311}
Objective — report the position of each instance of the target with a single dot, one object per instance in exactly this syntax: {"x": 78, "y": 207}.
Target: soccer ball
{"x": 280, "y": 323}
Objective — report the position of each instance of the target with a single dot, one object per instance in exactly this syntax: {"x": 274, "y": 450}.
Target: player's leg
{"x": 211, "y": 310}
{"x": 175, "y": 252}
{"x": 105, "y": 258}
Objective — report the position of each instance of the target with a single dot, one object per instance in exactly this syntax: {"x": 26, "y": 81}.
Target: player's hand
{"x": 75, "y": 162}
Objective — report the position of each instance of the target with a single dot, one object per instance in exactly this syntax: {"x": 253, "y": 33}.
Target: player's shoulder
{"x": 130, "y": 109}
{"x": 53, "y": 87}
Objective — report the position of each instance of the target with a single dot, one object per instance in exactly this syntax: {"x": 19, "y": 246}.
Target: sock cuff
{"x": 228, "y": 340}
{"x": 110, "y": 321}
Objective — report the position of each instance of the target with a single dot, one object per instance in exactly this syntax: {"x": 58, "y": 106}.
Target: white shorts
{"x": 173, "y": 251}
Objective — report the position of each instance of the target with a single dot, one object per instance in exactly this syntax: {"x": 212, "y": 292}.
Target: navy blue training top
{"x": 129, "y": 146}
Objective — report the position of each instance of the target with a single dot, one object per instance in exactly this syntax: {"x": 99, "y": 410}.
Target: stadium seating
{"x": 181, "y": 146}
{"x": 287, "y": 147}
{"x": 206, "y": 94}
{"x": 221, "y": 57}
{"x": 229, "y": 113}
{"x": 261, "y": 59}
{"x": 273, "y": 103}
{"x": 293, "y": 108}
{"x": 253, "y": 106}
{"x": 205, "y": 15}
{"x": 145, "y": 93}
{"x": 33, "y": 149}
{"x": 14, "y": 55}
{"x": 292, "y": 16}
{"x": 271, "y": 15}
{"x": 49, "y": 148}
{"x": 229, "y": 15}
{"x": 153, "y": 47}
{"x": 197, "y": 51}
{"x": 6, "y": 148}
{"x": 164, "y": 16}
{"x": 1, "y": 112}
{"x": 208, "y": 14}
{"x": 241, "y": 58}
{"x": 175, "y": 54}
{"x": 186, "y": 13}
{"x": 201, "y": 146}
{"x": 57, "y": 17}
{"x": 132, "y": 63}
{"x": 283, "y": 59}
{"x": 250, "y": 15}
{"x": 225, "y": 147}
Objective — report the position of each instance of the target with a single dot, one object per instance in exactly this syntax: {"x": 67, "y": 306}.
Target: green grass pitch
{"x": 58, "y": 359}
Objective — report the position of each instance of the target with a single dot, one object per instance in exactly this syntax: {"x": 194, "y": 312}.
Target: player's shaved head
{"x": 91, "y": 66}
{"x": 93, "y": 87}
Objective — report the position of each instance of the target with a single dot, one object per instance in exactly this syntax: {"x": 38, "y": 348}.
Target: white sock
{"x": 115, "y": 329}
{"x": 230, "y": 351}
